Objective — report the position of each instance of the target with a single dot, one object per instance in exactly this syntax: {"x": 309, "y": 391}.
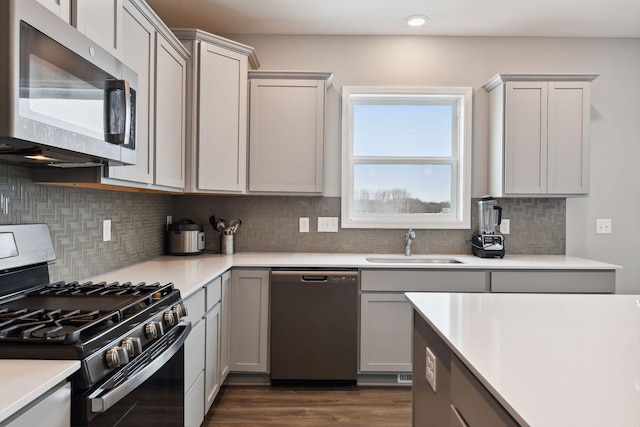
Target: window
{"x": 406, "y": 158}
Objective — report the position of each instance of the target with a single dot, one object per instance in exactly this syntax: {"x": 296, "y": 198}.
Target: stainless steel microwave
{"x": 64, "y": 101}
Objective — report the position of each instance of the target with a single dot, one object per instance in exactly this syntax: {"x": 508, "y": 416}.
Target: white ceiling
{"x": 538, "y": 18}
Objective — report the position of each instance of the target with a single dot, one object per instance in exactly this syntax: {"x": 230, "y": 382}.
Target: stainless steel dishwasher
{"x": 314, "y": 326}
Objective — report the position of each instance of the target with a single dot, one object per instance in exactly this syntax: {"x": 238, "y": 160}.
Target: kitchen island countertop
{"x": 550, "y": 360}
{"x": 23, "y": 381}
{"x": 192, "y": 272}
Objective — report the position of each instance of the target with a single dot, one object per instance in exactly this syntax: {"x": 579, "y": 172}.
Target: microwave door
{"x": 64, "y": 94}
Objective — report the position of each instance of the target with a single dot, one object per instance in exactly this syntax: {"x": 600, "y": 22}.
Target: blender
{"x": 488, "y": 242}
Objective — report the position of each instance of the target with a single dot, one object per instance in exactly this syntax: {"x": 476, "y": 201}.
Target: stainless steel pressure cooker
{"x": 185, "y": 237}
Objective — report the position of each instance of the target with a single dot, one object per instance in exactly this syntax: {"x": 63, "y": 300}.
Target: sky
{"x": 404, "y": 130}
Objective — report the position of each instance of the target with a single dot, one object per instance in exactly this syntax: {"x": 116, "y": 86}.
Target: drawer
{"x": 214, "y": 292}
{"x": 423, "y": 281}
{"x": 195, "y": 305}
{"x": 554, "y": 281}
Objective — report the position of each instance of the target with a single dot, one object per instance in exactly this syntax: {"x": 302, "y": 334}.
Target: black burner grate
{"x": 66, "y": 312}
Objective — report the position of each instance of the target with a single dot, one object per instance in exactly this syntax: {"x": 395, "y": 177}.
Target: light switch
{"x": 106, "y": 230}
{"x": 505, "y": 226}
{"x": 304, "y": 225}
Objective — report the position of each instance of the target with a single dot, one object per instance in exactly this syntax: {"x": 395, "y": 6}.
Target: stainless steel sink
{"x": 413, "y": 260}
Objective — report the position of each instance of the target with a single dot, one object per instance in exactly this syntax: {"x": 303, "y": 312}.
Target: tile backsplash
{"x": 269, "y": 224}
{"x": 75, "y": 215}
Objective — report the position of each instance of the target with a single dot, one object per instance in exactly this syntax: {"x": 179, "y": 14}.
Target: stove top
{"x": 116, "y": 330}
{"x": 68, "y": 313}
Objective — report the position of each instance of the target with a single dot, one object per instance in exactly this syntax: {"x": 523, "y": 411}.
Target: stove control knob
{"x": 180, "y": 311}
{"x": 116, "y": 356}
{"x": 169, "y": 318}
{"x": 133, "y": 346}
{"x": 153, "y": 330}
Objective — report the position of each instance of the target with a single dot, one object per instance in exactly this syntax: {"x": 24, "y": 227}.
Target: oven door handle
{"x": 103, "y": 403}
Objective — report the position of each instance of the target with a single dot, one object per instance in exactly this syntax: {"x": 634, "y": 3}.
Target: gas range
{"x": 122, "y": 333}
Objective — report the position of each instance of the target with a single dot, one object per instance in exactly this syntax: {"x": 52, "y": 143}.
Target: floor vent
{"x": 405, "y": 378}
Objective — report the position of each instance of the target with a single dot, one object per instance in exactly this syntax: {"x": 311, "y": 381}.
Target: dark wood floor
{"x": 311, "y": 406}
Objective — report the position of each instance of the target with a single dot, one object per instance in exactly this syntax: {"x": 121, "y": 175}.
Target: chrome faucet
{"x": 408, "y": 238}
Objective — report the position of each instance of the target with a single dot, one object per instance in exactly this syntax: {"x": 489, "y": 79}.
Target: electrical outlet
{"x": 431, "y": 369}
{"x": 169, "y": 221}
{"x": 327, "y": 224}
{"x": 106, "y": 230}
{"x": 304, "y": 225}
{"x": 603, "y": 226}
{"x": 505, "y": 226}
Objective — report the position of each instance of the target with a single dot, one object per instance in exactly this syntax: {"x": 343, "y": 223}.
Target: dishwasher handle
{"x": 309, "y": 276}
{"x": 314, "y": 278}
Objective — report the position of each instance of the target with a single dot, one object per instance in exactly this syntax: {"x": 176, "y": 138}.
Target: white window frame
{"x": 460, "y": 218}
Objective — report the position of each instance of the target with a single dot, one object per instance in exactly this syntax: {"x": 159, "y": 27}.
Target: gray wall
{"x": 472, "y": 61}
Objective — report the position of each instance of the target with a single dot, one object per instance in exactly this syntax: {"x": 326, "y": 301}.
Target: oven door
{"x": 149, "y": 393}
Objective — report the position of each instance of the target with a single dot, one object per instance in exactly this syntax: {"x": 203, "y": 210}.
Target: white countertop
{"x": 551, "y": 360}
{"x": 189, "y": 273}
{"x": 23, "y": 381}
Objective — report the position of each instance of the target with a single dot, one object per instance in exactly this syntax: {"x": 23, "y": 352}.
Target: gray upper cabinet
{"x": 61, "y": 8}
{"x": 161, "y": 63}
{"x": 101, "y": 21}
{"x": 138, "y": 54}
{"x": 216, "y": 112}
{"x": 539, "y": 134}
{"x": 286, "y": 141}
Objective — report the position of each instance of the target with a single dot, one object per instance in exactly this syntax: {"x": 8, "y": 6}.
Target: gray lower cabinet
{"x": 194, "y": 357}
{"x": 385, "y": 314}
{"x": 385, "y": 333}
{"x": 212, "y": 343}
{"x": 558, "y": 281}
{"x": 54, "y": 407}
{"x": 225, "y": 322}
{"x": 459, "y": 399}
{"x": 205, "y": 348}
{"x": 249, "y": 337}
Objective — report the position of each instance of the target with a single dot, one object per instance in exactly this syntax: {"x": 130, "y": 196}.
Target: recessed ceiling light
{"x": 416, "y": 20}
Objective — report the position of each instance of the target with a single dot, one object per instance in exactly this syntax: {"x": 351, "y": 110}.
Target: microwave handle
{"x": 122, "y": 133}
{"x": 100, "y": 401}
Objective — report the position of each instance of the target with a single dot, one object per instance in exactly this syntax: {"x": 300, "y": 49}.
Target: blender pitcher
{"x": 489, "y": 215}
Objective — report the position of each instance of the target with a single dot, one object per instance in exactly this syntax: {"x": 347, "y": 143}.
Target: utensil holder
{"x": 227, "y": 244}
